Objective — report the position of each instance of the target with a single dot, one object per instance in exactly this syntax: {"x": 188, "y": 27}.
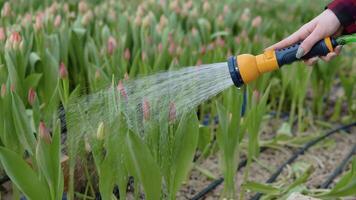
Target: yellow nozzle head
{"x": 248, "y": 67}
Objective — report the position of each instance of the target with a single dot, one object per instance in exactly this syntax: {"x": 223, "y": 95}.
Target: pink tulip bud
{"x": 39, "y": 21}
{"x": 138, "y": 20}
{"x": 88, "y": 16}
{"x": 226, "y": 9}
{"x": 2, "y": 34}
{"x": 6, "y": 10}
{"x": 127, "y": 54}
{"x": 12, "y": 88}
{"x": 82, "y": 7}
{"x": 172, "y": 112}
{"x": 100, "y": 134}
{"x": 57, "y": 21}
{"x": 31, "y": 97}
{"x": 126, "y": 76}
{"x": 256, "y": 22}
{"x": 220, "y": 42}
{"x": 111, "y": 45}
{"x": 245, "y": 15}
{"x": 160, "y": 48}
{"x": 146, "y": 110}
{"x": 202, "y": 49}
{"x": 66, "y": 7}
{"x": 206, "y": 6}
{"x": 13, "y": 42}
{"x": 172, "y": 48}
{"x": 199, "y": 62}
{"x": 63, "y": 72}
{"x": 97, "y": 74}
{"x": 256, "y": 95}
{"x": 143, "y": 56}
{"x": 43, "y": 133}
{"x": 53, "y": 8}
{"x": 3, "y": 90}
{"x": 121, "y": 89}
{"x": 146, "y": 21}
{"x": 26, "y": 20}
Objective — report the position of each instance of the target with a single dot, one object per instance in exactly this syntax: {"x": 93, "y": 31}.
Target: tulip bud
{"x": 163, "y": 21}
{"x": 206, "y": 6}
{"x": 126, "y": 76}
{"x": 27, "y": 20}
{"x": 137, "y": 20}
{"x": 53, "y": 8}
{"x": 245, "y": 15}
{"x": 256, "y": 95}
{"x": 146, "y": 110}
{"x": 39, "y": 21}
{"x": 143, "y": 56}
{"x": 3, "y": 90}
{"x": 160, "y": 47}
{"x": 256, "y": 22}
{"x": 121, "y": 89}
{"x": 111, "y": 45}
{"x": 127, "y": 54}
{"x": 82, "y": 7}
{"x": 199, "y": 63}
{"x": 172, "y": 48}
{"x": 203, "y": 49}
{"x": 57, "y": 21}
{"x": 100, "y": 134}
{"x": 172, "y": 112}
{"x": 2, "y": 34}
{"x": 66, "y": 7}
{"x": 43, "y": 133}
{"x": 13, "y": 42}
{"x": 97, "y": 74}
{"x": 220, "y": 42}
{"x": 88, "y": 16}
{"x": 31, "y": 97}
{"x": 146, "y": 21}
{"x": 12, "y": 88}
{"x": 63, "y": 72}
{"x": 6, "y": 10}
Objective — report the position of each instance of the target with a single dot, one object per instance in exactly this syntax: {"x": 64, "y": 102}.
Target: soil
{"x": 324, "y": 157}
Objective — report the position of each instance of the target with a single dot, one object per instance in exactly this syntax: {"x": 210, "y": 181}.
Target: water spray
{"x": 246, "y": 67}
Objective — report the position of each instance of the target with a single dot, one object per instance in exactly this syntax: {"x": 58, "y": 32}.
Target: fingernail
{"x": 300, "y": 53}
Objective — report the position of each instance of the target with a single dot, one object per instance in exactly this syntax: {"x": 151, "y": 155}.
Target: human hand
{"x": 324, "y": 25}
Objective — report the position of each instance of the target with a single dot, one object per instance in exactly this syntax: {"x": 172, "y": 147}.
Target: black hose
{"x": 301, "y": 151}
{"x": 339, "y": 169}
{"x": 215, "y": 183}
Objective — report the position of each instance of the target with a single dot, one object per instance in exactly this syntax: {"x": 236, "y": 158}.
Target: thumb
{"x": 309, "y": 42}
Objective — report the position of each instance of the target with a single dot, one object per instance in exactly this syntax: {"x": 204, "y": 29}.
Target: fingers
{"x": 294, "y": 38}
{"x": 311, "y": 61}
{"x": 316, "y": 35}
{"x": 337, "y": 49}
{"x": 327, "y": 58}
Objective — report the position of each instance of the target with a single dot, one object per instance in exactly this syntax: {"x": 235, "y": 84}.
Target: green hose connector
{"x": 346, "y": 39}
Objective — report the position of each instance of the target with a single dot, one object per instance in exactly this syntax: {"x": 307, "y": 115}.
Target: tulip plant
{"x": 66, "y": 127}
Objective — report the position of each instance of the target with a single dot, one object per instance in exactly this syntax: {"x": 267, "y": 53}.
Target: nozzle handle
{"x": 287, "y": 55}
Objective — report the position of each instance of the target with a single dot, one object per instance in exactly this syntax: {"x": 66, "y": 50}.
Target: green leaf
{"x": 23, "y": 176}
{"x": 32, "y": 80}
{"x": 260, "y": 187}
{"x": 185, "y": 144}
{"x": 144, "y": 165}
{"x": 34, "y": 58}
{"x": 22, "y": 125}
{"x": 48, "y": 158}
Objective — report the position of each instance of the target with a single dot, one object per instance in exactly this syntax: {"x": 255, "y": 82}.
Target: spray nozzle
{"x": 246, "y": 67}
